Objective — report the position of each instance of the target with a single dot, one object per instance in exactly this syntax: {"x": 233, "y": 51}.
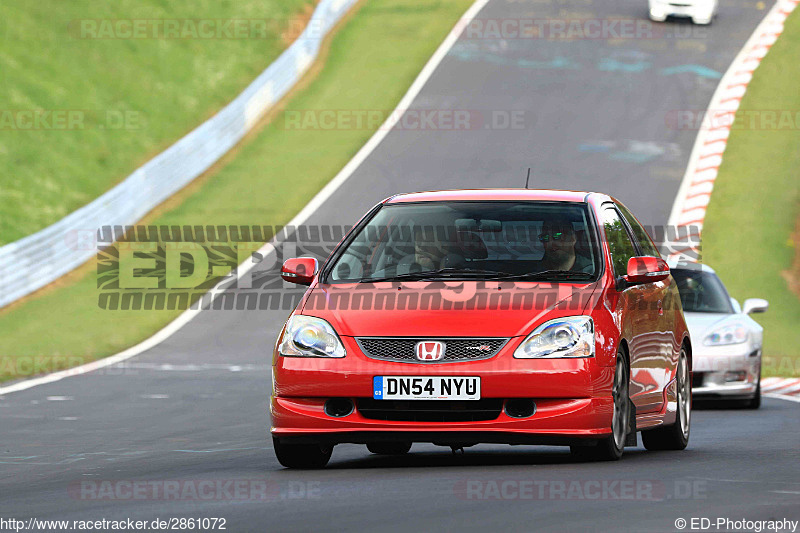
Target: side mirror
{"x": 300, "y": 270}
{"x": 755, "y": 305}
{"x": 735, "y": 304}
{"x": 646, "y": 270}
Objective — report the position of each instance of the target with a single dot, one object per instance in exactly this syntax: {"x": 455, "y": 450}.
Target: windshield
{"x": 701, "y": 292}
{"x": 471, "y": 240}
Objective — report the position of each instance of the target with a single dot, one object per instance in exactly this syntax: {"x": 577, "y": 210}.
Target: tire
{"x": 389, "y": 448}
{"x": 755, "y": 401}
{"x": 304, "y": 456}
{"x": 611, "y": 447}
{"x": 675, "y": 436}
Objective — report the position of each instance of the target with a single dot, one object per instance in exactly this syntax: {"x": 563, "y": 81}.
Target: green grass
{"x": 756, "y": 202}
{"x": 48, "y": 61}
{"x": 372, "y": 61}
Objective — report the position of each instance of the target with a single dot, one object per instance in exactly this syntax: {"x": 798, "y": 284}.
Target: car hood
{"x": 700, "y": 324}
{"x": 445, "y": 309}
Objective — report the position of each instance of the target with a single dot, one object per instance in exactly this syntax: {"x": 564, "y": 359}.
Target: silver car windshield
{"x": 701, "y": 292}
{"x": 472, "y": 240}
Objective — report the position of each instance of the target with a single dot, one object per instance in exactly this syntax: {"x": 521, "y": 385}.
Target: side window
{"x": 645, "y": 243}
{"x": 619, "y": 242}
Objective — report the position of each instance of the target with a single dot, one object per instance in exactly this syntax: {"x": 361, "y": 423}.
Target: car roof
{"x": 490, "y": 194}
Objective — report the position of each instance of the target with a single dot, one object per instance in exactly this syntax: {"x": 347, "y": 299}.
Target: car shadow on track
{"x": 426, "y": 458}
{"x": 723, "y": 405}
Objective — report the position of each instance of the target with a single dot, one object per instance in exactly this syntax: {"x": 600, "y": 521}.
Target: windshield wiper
{"x": 549, "y": 274}
{"x": 451, "y": 273}
{"x": 397, "y": 277}
{"x": 442, "y": 273}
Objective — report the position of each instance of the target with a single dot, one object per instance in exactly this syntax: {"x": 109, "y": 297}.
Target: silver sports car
{"x": 700, "y": 11}
{"x": 726, "y": 342}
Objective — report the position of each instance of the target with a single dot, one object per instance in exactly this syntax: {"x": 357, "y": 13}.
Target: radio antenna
{"x": 528, "y": 178}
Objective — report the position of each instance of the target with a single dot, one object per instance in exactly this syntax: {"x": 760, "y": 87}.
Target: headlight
{"x": 308, "y": 336}
{"x": 571, "y": 336}
{"x": 730, "y": 334}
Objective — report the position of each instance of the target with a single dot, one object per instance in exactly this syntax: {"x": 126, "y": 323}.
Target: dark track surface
{"x": 601, "y": 125}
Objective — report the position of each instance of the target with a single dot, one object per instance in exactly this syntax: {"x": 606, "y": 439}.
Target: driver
{"x": 558, "y": 238}
{"x": 428, "y": 251}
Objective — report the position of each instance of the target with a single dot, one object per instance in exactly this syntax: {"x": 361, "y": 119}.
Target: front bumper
{"x": 572, "y": 398}
{"x": 730, "y": 372}
{"x": 555, "y": 421}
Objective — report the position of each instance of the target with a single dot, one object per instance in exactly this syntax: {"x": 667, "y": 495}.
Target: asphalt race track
{"x": 596, "y": 116}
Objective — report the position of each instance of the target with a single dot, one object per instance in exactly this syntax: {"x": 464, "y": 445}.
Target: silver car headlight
{"x": 729, "y": 334}
{"x": 309, "y": 336}
{"x": 571, "y": 336}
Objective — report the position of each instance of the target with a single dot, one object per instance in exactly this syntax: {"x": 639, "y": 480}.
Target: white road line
{"x": 695, "y": 190}
{"x": 697, "y": 185}
{"x": 783, "y": 397}
{"x": 786, "y": 386}
{"x": 768, "y": 382}
{"x": 194, "y": 367}
{"x": 775, "y": 383}
{"x": 302, "y": 216}
{"x": 794, "y": 389}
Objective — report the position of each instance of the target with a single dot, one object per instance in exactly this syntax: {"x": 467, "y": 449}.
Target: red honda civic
{"x": 484, "y": 316}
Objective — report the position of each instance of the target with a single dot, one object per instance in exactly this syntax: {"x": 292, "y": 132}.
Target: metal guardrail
{"x": 38, "y": 259}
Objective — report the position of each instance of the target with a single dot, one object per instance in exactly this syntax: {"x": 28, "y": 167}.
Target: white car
{"x": 726, "y": 342}
{"x": 700, "y": 11}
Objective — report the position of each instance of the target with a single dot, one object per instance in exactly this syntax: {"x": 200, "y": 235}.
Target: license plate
{"x": 426, "y": 388}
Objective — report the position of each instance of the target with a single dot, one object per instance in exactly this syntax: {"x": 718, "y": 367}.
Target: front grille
{"x": 430, "y": 410}
{"x": 697, "y": 380}
{"x": 402, "y": 349}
